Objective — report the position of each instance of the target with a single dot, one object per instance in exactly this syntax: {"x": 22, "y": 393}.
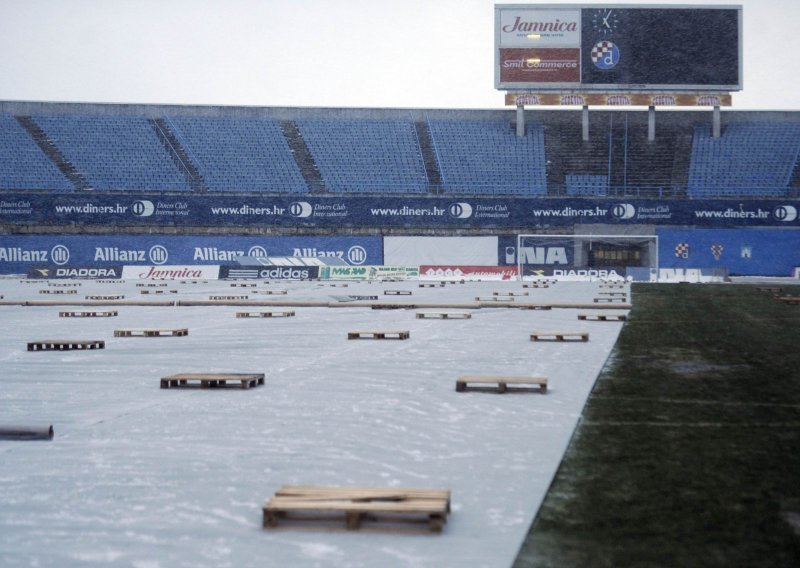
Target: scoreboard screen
{"x": 618, "y": 47}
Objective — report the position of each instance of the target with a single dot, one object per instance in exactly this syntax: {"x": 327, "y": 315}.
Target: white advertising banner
{"x": 415, "y": 251}
{"x": 539, "y": 28}
{"x": 210, "y": 272}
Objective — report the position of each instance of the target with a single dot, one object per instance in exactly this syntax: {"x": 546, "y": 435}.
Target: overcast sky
{"x": 351, "y": 53}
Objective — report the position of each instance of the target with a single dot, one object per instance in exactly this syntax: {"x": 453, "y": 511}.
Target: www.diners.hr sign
{"x": 372, "y": 212}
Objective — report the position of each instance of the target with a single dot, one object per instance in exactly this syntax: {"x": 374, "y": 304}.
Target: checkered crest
{"x": 716, "y": 250}
{"x": 600, "y": 50}
{"x": 682, "y": 250}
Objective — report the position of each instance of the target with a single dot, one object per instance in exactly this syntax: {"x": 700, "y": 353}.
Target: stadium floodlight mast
{"x": 585, "y": 257}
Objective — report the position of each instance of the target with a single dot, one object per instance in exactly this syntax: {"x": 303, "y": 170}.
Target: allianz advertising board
{"x": 406, "y": 212}
{"x": 19, "y": 253}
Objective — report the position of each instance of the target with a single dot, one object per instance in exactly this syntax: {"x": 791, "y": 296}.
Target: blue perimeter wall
{"x": 757, "y": 252}
{"x": 18, "y": 253}
{"x": 751, "y": 252}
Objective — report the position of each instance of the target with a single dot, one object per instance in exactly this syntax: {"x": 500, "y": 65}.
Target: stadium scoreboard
{"x": 567, "y": 48}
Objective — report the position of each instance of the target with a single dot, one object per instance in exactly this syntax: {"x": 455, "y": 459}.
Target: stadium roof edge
{"x": 152, "y": 110}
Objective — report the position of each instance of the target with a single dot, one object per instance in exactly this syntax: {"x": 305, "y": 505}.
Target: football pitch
{"x": 688, "y": 450}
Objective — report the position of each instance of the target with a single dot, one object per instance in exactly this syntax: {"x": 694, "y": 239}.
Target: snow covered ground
{"x": 140, "y": 476}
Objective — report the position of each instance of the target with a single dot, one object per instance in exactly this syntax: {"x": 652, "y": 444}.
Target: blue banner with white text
{"x": 18, "y": 253}
{"x": 434, "y": 212}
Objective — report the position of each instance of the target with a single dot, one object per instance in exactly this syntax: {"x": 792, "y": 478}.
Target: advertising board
{"x": 171, "y": 272}
{"x": 81, "y": 272}
{"x": 269, "y": 272}
{"x": 621, "y": 47}
{"x": 18, "y": 253}
{"x": 396, "y": 212}
{"x": 462, "y": 272}
{"x": 369, "y": 272}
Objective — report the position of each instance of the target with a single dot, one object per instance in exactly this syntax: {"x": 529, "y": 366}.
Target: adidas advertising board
{"x": 269, "y": 272}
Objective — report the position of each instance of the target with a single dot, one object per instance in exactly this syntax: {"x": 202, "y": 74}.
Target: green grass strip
{"x": 688, "y": 450}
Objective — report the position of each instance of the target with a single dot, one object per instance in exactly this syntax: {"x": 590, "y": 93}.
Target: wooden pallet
{"x": 110, "y": 281}
{"x": 109, "y": 314}
{"x": 275, "y": 314}
{"x": 63, "y": 284}
{"x": 535, "y": 307}
{"x": 158, "y": 291}
{"x": 180, "y": 332}
{"x": 270, "y": 292}
{"x": 428, "y": 285}
{"x": 444, "y": 315}
{"x": 397, "y": 292}
{"x": 536, "y": 285}
{"x": 66, "y": 344}
{"x": 229, "y": 297}
{"x": 774, "y": 290}
{"x": 151, "y": 285}
{"x": 243, "y": 285}
{"x": 494, "y": 298}
{"x": 609, "y": 300}
{"x": 116, "y": 297}
{"x": 212, "y": 380}
{"x": 560, "y": 336}
{"x": 389, "y": 508}
{"x": 612, "y": 286}
{"x": 603, "y": 317}
{"x": 512, "y": 294}
{"x": 394, "y": 306}
{"x": 623, "y": 294}
{"x": 385, "y": 334}
{"x": 500, "y": 383}
{"x": 66, "y": 291}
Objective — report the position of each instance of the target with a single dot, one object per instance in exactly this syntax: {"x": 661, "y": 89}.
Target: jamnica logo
{"x": 183, "y": 272}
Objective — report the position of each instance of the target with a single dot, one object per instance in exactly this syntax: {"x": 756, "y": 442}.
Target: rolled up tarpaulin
{"x": 26, "y": 432}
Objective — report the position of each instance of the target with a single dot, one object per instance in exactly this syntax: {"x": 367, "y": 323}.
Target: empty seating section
{"x": 586, "y": 185}
{"x": 366, "y": 155}
{"x": 748, "y": 160}
{"x": 486, "y": 157}
{"x": 114, "y": 152}
{"x": 23, "y": 165}
{"x": 239, "y": 154}
{"x": 400, "y": 153}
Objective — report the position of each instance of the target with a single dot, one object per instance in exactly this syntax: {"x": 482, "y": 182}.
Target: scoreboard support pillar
{"x": 520, "y": 121}
{"x": 716, "y": 123}
{"x": 585, "y": 123}
{"x": 651, "y": 123}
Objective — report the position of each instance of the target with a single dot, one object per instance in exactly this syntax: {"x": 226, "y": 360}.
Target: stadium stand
{"x": 72, "y": 147}
{"x": 750, "y": 159}
{"x": 115, "y": 152}
{"x": 22, "y": 164}
{"x": 486, "y": 157}
{"x": 366, "y": 155}
{"x": 239, "y": 154}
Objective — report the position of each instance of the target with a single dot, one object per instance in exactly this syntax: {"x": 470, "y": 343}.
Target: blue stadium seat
{"x": 366, "y": 155}
{"x": 23, "y": 166}
{"x": 586, "y": 185}
{"x": 749, "y": 160}
{"x": 114, "y": 152}
{"x": 486, "y": 157}
{"x": 239, "y": 154}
